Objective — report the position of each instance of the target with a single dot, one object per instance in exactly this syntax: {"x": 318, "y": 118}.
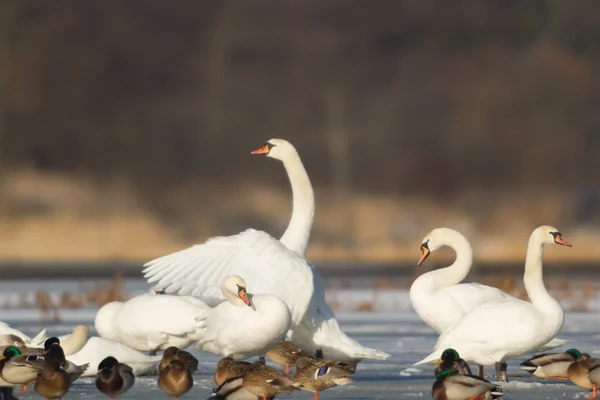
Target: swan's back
{"x": 264, "y": 262}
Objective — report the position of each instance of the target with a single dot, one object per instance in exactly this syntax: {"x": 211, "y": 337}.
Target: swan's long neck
{"x": 74, "y": 343}
{"x": 298, "y": 232}
{"x": 454, "y": 273}
{"x": 534, "y": 281}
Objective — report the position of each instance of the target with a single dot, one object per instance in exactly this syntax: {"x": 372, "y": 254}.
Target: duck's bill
{"x": 438, "y": 362}
{"x": 262, "y": 150}
{"x": 424, "y": 254}
{"x": 559, "y": 240}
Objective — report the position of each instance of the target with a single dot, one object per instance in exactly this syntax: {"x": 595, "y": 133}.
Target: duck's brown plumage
{"x": 114, "y": 378}
{"x": 52, "y": 382}
{"x": 175, "y": 379}
{"x": 228, "y": 368}
{"x": 578, "y": 371}
{"x": 317, "y": 375}
{"x": 262, "y": 380}
{"x": 285, "y": 354}
{"x": 173, "y": 353}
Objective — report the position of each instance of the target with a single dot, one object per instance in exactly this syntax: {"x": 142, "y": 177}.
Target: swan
{"x": 97, "y": 349}
{"x": 245, "y": 325}
{"x": 524, "y": 326}
{"x": 151, "y": 322}
{"x": 75, "y": 341}
{"x": 272, "y": 266}
{"x": 37, "y": 341}
{"x": 439, "y": 297}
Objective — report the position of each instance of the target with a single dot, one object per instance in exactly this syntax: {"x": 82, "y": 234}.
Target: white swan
{"x": 277, "y": 267}
{"x": 498, "y": 330}
{"x": 439, "y": 297}
{"x": 97, "y": 349}
{"x": 37, "y": 341}
{"x": 246, "y": 325}
{"x": 152, "y": 322}
{"x": 74, "y": 342}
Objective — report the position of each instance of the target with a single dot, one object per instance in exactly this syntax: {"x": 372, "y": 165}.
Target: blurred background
{"x": 126, "y": 128}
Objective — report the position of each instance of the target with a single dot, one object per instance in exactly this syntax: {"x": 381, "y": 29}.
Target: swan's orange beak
{"x": 559, "y": 240}
{"x": 263, "y": 150}
{"x": 244, "y": 296}
{"x": 424, "y": 254}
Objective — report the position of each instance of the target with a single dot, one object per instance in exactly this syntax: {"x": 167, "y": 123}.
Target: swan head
{"x": 234, "y": 289}
{"x": 548, "y": 234}
{"x": 276, "y": 148}
{"x": 436, "y": 239}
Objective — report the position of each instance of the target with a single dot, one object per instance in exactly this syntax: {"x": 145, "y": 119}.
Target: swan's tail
{"x": 38, "y": 340}
{"x": 554, "y": 343}
{"x": 327, "y": 336}
{"x": 430, "y": 358}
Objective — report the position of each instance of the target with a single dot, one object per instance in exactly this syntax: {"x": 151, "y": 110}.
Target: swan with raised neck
{"x": 298, "y": 231}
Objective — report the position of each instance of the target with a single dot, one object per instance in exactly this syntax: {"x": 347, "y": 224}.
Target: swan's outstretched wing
{"x": 262, "y": 261}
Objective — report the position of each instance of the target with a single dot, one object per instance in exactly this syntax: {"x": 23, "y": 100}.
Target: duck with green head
{"x": 551, "y": 365}
{"x": 452, "y": 361}
{"x": 19, "y": 369}
{"x": 451, "y": 386}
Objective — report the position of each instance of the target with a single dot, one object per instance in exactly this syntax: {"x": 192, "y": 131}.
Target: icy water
{"x": 399, "y": 333}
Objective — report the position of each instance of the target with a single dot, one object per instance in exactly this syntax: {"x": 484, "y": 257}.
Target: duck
{"x": 173, "y": 353}
{"x": 246, "y": 325}
{"x": 175, "y": 379}
{"x": 266, "y": 382}
{"x": 97, "y": 349}
{"x": 233, "y": 389}
{"x": 54, "y": 351}
{"x": 114, "y": 378}
{"x": 451, "y": 360}
{"x": 133, "y": 322}
{"x": 441, "y": 298}
{"x": 551, "y": 366}
{"x": 285, "y": 354}
{"x": 525, "y": 325}
{"x": 19, "y": 369}
{"x": 318, "y": 375}
{"x": 578, "y": 371}
{"x": 452, "y": 386}
{"x": 271, "y": 266}
{"x": 52, "y": 381}
{"x": 36, "y": 341}
{"x": 228, "y": 368}
{"x": 594, "y": 377}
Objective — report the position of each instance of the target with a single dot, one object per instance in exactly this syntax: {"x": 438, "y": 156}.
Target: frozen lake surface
{"x": 400, "y": 333}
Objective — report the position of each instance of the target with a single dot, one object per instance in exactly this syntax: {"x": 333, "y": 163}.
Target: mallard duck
{"x": 552, "y": 365}
{"x": 318, "y": 375}
{"x": 266, "y": 382}
{"x": 451, "y": 386}
{"x": 578, "y": 371}
{"x": 54, "y": 351}
{"x": 113, "y": 378}
{"x": 173, "y": 353}
{"x": 52, "y": 381}
{"x": 175, "y": 379}
{"x": 228, "y": 368}
{"x": 594, "y": 377}
{"x": 451, "y": 360}
{"x": 285, "y": 354}
{"x": 19, "y": 369}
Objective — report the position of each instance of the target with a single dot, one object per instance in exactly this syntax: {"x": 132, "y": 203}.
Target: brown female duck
{"x": 318, "y": 375}
{"x": 175, "y": 379}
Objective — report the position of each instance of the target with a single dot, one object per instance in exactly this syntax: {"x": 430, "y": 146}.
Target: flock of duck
{"x": 241, "y": 296}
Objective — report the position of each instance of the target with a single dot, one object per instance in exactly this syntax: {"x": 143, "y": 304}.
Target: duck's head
{"x": 10, "y": 352}
{"x": 276, "y": 148}
{"x": 108, "y": 363}
{"x": 448, "y": 356}
{"x": 547, "y": 234}
{"x": 177, "y": 365}
{"x": 170, "y": 352}
{"x": 573, "y": 353}
{"x": 234, "y": 288}
{"x": 51, "y": 341}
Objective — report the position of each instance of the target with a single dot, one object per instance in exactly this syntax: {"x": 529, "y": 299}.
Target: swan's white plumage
{"x": 37, "y": 341}
{"x": 235, "y": 329}
{"x": 97, "y": 349}
{"x": 441, "y": 299}
{"x": 498, "y": 330}
{"x": 268, "y": 265}
{"x": 152, "y": 322}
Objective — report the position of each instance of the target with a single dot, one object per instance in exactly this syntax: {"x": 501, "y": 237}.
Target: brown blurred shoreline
{"x": 66, "y": 218}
